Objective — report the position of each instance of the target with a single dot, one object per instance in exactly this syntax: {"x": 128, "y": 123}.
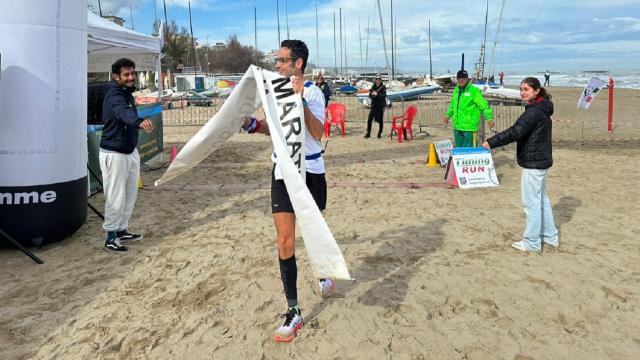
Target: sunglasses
{"x": 283, "y": 60}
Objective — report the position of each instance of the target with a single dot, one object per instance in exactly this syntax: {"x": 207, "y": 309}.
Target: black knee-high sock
{"x": 289, "y": 275}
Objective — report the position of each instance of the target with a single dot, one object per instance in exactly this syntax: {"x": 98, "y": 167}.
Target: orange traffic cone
{"x": 174, "y": 152}
{"x": 432, "y": 160}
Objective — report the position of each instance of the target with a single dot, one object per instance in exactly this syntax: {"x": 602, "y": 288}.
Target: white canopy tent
{"x": 107, "y": 42}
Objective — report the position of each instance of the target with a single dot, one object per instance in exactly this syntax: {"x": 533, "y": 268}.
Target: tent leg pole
{"x": 22, "y": 248}
{"x": 95, "y": 210}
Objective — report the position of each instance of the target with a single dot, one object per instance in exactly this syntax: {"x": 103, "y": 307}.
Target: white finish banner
{"x": 285, "y": 118}
{"x": 590, "y": 91}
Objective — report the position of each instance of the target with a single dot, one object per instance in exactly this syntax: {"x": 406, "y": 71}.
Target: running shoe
{"x": 326, "y": 287}
{"x": 113, "y": 243}
{"x": 292, "y": 324}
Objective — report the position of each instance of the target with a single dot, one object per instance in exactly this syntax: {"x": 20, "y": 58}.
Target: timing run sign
{"x": 443, "y": 149}
{"x": 474, "y": 167}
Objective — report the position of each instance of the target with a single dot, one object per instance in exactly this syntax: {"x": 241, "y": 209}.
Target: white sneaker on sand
{"x": 519, "y": 245}
{"x": 326, "y": 287}
{"x": 292, "y": 324}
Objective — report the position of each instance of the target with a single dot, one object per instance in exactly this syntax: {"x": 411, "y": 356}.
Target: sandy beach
{"x": 435, "y": 277}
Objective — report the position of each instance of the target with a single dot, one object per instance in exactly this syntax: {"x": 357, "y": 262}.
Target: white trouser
{"x": 120, "y": 174}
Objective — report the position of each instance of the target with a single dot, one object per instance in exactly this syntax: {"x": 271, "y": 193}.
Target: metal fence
{"x": 191, "y": 115}
{"x": 431, "y": 112}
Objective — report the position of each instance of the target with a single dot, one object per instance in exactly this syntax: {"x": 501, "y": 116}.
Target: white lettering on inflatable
{"x": 48, "y": 197}
{"x": 33, "y": 197}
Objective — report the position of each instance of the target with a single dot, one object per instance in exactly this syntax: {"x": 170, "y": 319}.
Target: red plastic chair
{"x": 406, "y": 120}
{"x": 338, "y": 117}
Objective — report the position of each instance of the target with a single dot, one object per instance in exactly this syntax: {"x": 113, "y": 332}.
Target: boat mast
{"x": 317, "y": 41}
{"x": 366, "y": 54}
{"x": 384, "y": 43}
{"x": 495, "y": 40}
{"x": 346, "y": 63}
{"x": 395, "y": 41}
{"x": 341, "y": 53}
{"x": 195, "y": 54}
{"x": 483, "y": 46}
{"x": 131, "y": 15}
{"x": 335, "y": 50}
{"x": 278, "y": 15}
{"x": 392, "y": 44}
{"x": 286, "y": 14}
{"x": 155, "y": 11}
{"x": 360, "y": 40}
{"x": 430, "y": 63}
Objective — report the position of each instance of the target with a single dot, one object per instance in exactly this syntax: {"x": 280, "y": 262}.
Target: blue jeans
{"x": 540, "y": 225}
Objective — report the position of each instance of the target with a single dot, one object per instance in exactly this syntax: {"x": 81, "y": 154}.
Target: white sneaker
{"x": 519, "y": 245}
{"x": 292, "y": 324}
{"x": 326, "y": 287}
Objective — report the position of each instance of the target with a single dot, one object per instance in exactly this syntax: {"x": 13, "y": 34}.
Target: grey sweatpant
{"x": 120, "y": 174}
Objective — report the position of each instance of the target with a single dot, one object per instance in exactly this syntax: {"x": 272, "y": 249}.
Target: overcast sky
{"x": 535, "y": 34}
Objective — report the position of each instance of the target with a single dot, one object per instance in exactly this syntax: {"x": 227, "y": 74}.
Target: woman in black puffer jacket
{"x": 532, "y": 132}
{"x": 378, "y": 95}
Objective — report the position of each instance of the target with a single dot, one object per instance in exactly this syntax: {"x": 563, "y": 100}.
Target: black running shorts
{"x": 280, "y": 202}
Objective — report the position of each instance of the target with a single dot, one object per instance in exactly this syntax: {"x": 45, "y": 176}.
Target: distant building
{"x": 319, "y": 71}
{"x": 115, "y": 19}
{"x": 270, "y": 57}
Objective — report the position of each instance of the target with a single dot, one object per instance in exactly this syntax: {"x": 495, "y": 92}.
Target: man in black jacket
{"x": 119, "y": 159}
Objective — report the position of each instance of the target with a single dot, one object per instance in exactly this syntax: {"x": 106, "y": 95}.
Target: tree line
{"x": 232, "y": 57}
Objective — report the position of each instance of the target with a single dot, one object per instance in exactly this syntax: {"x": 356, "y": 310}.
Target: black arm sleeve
{"x": 521, "y": 128}
{"x": 124, "y": 113}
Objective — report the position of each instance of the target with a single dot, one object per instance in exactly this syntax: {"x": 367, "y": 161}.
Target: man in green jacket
{"x": 466, "y": 105}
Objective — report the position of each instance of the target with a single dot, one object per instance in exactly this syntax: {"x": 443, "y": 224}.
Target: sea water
{"x": 629, "y": 79}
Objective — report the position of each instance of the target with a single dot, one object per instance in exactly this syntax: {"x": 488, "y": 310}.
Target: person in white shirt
{"x": 290, "y": 63}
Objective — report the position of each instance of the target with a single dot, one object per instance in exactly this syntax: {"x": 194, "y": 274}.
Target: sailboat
{"x": 396, "y": 91}
{"x": 483, "y": 82}
{"x": 408, "y": 93}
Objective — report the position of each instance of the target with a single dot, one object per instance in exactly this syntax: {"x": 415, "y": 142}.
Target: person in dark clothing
{"x": 547, "y": 76}
{"x": 325, "y": 87}
{"x": 378, "y": 95}
{"x": 532, "y": 132}
{"x": 119, "y": 158}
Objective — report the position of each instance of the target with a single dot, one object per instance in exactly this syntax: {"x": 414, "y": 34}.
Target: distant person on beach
{"x": 325, "y": 87}
{"x": 119, "y": 158}
{"x": 501, "y": 76}
{"x": 467, "y": 103}
{"x": 532, "y": 132}
{"x": 378, "y": 96}
{"x": 547, "y": 75}
{"x": 291, "y": 62}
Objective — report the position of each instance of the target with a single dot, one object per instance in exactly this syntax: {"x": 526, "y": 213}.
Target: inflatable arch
{"x": 43, "y": 92}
